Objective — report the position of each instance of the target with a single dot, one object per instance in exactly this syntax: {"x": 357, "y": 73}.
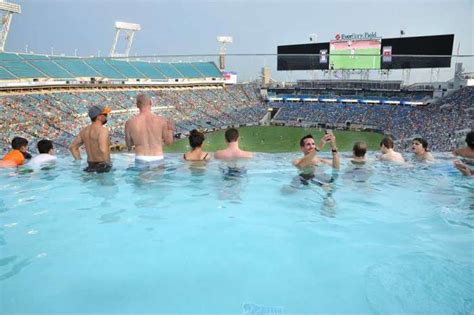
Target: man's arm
{"x": 463, "y": 168}
{"x": 336, "y": 161}
{"x": 104, "y": 144}
{"x": 306, "y": 161}
{"x": 168, "y": 128}
{"x": 128, "y": 137}
{"x": 75, "y": 145}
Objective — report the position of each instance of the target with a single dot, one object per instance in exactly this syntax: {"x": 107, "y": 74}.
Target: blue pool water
{"x": 188, "y": 239}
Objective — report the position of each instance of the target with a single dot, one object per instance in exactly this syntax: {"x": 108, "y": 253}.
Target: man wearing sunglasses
{"x": 96, "y": 140}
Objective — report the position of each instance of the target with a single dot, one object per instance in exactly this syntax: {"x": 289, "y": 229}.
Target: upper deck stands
{"x": 106, "y": 70}
{"x": 208, "y": 69}
{"x": 188, "y": 70}
{"x": 32, "y": 66}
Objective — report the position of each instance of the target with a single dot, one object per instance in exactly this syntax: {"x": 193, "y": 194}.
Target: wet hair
{"x": 19, "y": 142}
{"x": 44, "y": 146}
{"x": 142, "y": 100}
{"x": 304, "y": 138}
{"x": 387, "y": 142}
{"x": 231, "y": 135}
{"x": 360, "y": 148}
{"x": 196, "y": 138}
{"x": 470, "y": 139}
{"x": 423, "y": 142}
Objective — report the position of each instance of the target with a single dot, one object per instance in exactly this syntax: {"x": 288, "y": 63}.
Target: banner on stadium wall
{"x": 230, "y": 77}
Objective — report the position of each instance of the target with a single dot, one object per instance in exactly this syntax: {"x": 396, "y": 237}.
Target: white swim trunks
{"x": 148, "y": 160}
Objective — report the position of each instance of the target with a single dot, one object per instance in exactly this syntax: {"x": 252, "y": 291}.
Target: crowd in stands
{"x": 436, "y": 122}
{"x": 60, "y": 115}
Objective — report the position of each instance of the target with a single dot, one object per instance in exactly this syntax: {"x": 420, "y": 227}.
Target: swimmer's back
{"x": 146, "y": 131}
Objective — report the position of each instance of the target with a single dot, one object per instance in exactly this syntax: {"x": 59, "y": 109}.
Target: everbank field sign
{"x": 354, "y": 36}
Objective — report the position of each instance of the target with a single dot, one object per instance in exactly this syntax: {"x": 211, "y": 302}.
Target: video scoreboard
{"x": 366, "y": 51}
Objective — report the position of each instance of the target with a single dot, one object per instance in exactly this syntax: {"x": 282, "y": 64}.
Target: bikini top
{"x": 203, "y": 159}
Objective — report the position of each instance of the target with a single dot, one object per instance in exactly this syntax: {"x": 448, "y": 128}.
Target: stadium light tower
{"x": 129, "y": 29}
{"x": 7, "y": 13}
{"x": 223, "y": 40}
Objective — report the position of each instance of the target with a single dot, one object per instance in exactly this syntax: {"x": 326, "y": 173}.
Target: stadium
{"x": 195, "y": 238}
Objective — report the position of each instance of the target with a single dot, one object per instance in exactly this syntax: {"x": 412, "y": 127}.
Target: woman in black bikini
{"x": 196, "y": 139}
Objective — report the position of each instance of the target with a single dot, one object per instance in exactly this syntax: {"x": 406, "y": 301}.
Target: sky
{"x": 181, "y": 27}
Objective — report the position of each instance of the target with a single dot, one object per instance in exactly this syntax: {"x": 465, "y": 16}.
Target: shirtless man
{"x": 147, "y": 132}
{"x": 467, "y": 155}
{"x": 309, "y": 149}
{"x": 232, "y": 152}
{"x": 96, "y": 139}
{"x": 419, "y": 146}
{"x": 388, "y": 153}
{"x": 467, "y": 151}
{"x": 358, "y": 153}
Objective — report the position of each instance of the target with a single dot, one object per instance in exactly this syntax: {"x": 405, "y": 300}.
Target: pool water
{"x": 192, "y": 238}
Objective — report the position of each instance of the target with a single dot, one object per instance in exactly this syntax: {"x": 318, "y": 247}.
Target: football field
{"x": 274, "y": 139}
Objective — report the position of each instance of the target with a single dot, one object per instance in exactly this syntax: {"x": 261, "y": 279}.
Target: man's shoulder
{"x": 83, "y": 130}
{"x": 245, "y": 154}
{"x": 219, "y": 154}
{"x": 158, "y": 118}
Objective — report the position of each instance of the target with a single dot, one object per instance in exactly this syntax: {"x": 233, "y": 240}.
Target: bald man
{"x": 147, "y": 132}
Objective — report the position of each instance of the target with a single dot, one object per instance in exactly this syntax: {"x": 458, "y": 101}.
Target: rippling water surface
{"x": 188, "y": 238}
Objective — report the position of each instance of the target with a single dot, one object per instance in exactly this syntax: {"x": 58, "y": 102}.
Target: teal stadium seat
{"x": 126, "y": 68}
{"x": 168, "y": 70}
{"x": 48, "y": 67}
{"x": 187, "y": 70}
{"x": 14, "y": 66}
{"x": 147, "y": 69}
{"x": 106, "y": 70}
{"x": 208, "y": 69}
{"x": 76, "y": 66}
{"x": 5, "y": 75}
{"x": 19, "y": 67}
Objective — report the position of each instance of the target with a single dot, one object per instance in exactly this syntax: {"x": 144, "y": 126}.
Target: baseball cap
{"x": 97, "y": 110}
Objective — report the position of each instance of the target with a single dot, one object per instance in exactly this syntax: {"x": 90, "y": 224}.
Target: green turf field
{"x": 279, "y": 139}
{"x": 357, "y": 62}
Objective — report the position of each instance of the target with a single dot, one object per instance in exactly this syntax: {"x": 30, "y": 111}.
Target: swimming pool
{"x": 189, "y": 239}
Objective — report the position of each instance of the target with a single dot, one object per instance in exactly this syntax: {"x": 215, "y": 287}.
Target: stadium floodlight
{"x": 8, "y": 10}
{"x": 128, "y": 26}
{"x": 129, "y": 29}
{"x": 223, "y": 40}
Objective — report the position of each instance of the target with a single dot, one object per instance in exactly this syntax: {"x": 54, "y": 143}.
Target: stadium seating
{"x": 168, "y": 70}
{"x": 33, "y": 66}
{"x": 77, "y": 67}
{"x": 208, "y": 69}
{"x": 60, "y": 115}
{"x": 148, "y": 70}
{"x": 106, "y": 70}
{"x": 127, "y": 69}
{"x": 188, "y": 70}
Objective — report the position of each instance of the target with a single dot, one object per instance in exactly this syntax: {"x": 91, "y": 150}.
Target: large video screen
{"x": 354, "y": 54}
{"x": 303, "y": 57}
{"x": 417, "y": 52}
{"x": 390, "y": 53}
